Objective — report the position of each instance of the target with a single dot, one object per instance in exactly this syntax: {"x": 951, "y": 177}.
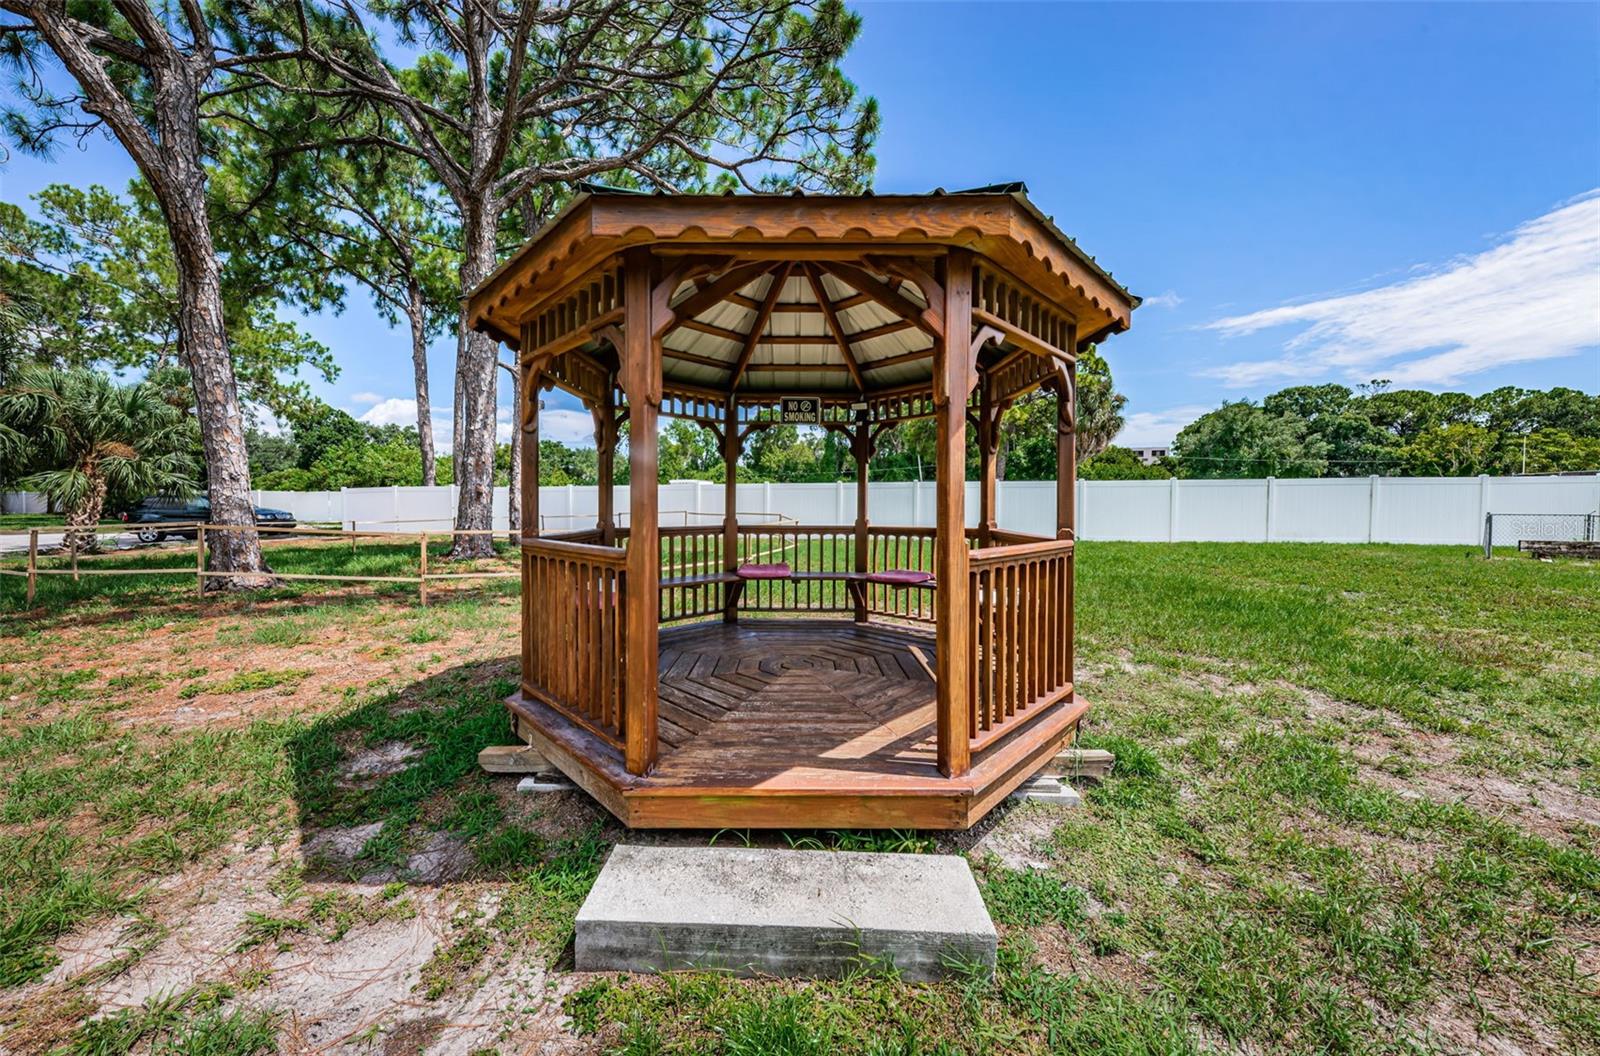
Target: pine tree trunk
{"x": 203, "y": 347}
{"x": 475, "y": 382}
{"x": 416, "y": 311}
{"x": 455, "y": 410}
{"x": 171, "y": 162}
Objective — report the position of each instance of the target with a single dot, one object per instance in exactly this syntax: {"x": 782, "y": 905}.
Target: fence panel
{"x": 1334, "y": 510}
{"x": 1219, "y": 511}
{"x": 1323, "y": 511}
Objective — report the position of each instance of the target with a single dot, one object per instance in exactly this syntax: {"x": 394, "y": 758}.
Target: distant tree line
{"x": 1334, "y": 431}
{"x": 1305, "y": 431}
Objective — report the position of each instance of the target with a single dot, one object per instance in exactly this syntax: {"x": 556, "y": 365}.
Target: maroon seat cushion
{"x": 900, "y": 577}
{"x": 778, "y": 571}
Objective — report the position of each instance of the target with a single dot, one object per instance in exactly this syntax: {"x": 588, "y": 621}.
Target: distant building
{"x": 1150, "y": 455}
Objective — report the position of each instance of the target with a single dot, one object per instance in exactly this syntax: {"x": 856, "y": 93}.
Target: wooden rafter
{"x": 763, "y": 315}
{"x": 814, "y": 277}
{"x": 890, "y": 298}
{"x": 914, "y": 272}
{"x": 895, "y": 361}
{"x": 718, "y": 290}
{"x": 803, "y": 307}
{"x": 690, "y": 357}
{"x": 797, "y": 368}
{"x": 883, "y": 331}
{"x": 715, "y": 331}
{"x": 684, "y": 269}
{"x": 797, "y": 339}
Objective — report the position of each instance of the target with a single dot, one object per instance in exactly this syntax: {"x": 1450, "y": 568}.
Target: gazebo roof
{"x": 806, "y": 294}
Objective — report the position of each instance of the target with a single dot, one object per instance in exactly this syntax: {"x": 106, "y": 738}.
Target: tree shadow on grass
{"x": 159, "y": 603}
{"x": 392, "y": 791}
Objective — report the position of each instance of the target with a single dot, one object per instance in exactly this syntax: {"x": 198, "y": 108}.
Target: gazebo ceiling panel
{"x": 693, "y": 373}
{"x": 999, "y": 224}
{"x": 708, "y": 347}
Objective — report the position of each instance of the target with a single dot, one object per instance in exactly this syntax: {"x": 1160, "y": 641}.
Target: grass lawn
{"x": 12, "y": 521}
{"x": 1356, "y": 809}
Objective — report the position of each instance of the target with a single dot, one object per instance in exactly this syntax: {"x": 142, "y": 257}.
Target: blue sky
{"x": 1301, "y": 192}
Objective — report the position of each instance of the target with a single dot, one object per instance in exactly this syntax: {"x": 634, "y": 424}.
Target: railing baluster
{"x": 1019, "y": 638}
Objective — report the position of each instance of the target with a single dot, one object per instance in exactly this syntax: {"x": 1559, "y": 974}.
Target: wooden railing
{"x": 1019, "y": 603}
{"x": 574, "y": 647}
{"x": 691, "y": 554}
{"x": 1003, "y": 537}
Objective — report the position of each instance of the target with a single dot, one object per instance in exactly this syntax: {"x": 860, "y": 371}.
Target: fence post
{"x": 1488, "y": 536}
{"x": 33, "y": 564}
{"x": 1483, "y": 495}
{"x": 74, "y": 550}
{"x": 200, "y": 561}
{"x": 422, "y": 567}
{"x": 394, "y": 500}
{"x": 1372, "y": 507}
{"x": 1272, "y": 506}
{"x": 1172, "y": 510}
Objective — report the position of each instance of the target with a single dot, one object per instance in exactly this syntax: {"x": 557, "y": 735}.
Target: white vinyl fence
{"x": 1353, "y": 510}
{"x": 23, "y": 502}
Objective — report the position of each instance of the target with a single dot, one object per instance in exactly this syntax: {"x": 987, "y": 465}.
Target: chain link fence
{"x": 1514, "y": 529}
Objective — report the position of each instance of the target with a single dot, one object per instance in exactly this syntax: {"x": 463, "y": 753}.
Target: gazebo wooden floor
{"x": 795, "y": 723}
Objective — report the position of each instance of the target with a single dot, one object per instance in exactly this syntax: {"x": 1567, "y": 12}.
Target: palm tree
{"x": 1099, "y": 405}
{"x": 91, "y": 438}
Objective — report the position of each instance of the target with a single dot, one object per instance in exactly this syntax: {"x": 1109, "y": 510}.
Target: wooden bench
{"x": 854, "y": 582}
{"x": 1552, "y": 548}
{"x": 705, "y": 579}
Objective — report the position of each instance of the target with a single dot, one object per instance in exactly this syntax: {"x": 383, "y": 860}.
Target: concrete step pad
{"x": 791, "y": 913}
{"x": 1048, "y": 790}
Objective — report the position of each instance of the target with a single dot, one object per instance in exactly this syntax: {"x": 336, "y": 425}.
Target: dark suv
{"x": 147, "y": 518}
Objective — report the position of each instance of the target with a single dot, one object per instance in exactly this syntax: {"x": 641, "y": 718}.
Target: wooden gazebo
{"x": 760, "y": 675}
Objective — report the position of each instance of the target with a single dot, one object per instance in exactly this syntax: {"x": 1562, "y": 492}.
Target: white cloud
{"x": 1158, "y": 428}
{"x": 391, "y": 411}
{"x": 366, "y": 397}
{"x": 570, "y": 427}
{"x": 1534, "y": 296}
{"x": 1170, "y": 299}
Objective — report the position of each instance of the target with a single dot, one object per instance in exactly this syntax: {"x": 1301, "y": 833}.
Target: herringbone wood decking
{"x": 803, "y": 723}
{"x": 753, "y": 706}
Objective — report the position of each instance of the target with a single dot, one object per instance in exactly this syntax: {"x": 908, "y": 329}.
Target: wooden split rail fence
{"x": 78, "y": 569}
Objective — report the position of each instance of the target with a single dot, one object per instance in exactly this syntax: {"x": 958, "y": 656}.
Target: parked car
{"x": 148, "y": 517}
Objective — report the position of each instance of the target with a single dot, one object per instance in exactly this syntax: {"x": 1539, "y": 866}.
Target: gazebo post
{"x": 1066, "y": 456}
{"x": 529, "y": 528}
{"x": 732, "y": 445}
{"x": 641, "y": 374}
{"x": 1067, "y": 492}
{"x": 605, "y": 445}
{"x": 953, "y": 378}
{"x": 861, "y": 448}
{"x": 528, "y": 485}
{"x": 988, "y": 444}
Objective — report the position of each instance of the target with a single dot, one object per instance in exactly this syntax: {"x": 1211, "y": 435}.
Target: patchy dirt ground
{"x": 271, "y": 811}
